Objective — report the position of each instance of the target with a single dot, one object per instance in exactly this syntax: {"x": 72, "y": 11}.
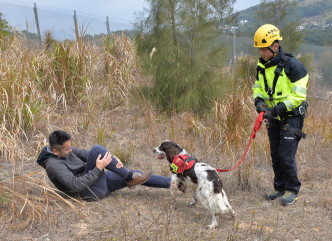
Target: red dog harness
{"x": 182, "y": 163}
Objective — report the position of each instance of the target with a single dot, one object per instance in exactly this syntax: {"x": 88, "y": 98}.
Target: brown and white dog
{"x": 201, "y": 178}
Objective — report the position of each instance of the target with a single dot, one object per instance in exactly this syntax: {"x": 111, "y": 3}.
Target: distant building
{"x": 300, "y": 28}
{"x": 244, "y": 21}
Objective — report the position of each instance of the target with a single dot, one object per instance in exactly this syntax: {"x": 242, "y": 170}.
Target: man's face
{"x": 64, "y": 151}
{"x": 266, "y": 54}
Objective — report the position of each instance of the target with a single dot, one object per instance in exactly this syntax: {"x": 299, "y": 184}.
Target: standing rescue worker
{"x": 280, "y": 91}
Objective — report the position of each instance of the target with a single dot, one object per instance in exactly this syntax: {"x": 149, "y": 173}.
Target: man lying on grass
{"x": 92, "y": 174}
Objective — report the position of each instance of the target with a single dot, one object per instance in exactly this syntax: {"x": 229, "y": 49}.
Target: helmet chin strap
{"x": 274, "y": 53}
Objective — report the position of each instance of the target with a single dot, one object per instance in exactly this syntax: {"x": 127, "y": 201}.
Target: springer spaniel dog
{"x": 200, "y": 177}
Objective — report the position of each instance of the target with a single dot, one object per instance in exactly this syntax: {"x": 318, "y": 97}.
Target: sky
{"x": 57, "y": 15}
{"x": 117, "y": 9}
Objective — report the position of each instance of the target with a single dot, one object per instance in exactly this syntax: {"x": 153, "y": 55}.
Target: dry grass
{"x": 28, "y": 200}
{"x": 88, "y": 92}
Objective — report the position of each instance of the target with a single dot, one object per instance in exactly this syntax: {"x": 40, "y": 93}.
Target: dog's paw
{"x": 234, "y": 214}
{"x": 212, "y": 226}
{"x": 193, "y": 202}
{"x": 182, "y": 187}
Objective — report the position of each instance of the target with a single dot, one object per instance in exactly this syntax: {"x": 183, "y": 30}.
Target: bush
{"x": 6, "y": 35}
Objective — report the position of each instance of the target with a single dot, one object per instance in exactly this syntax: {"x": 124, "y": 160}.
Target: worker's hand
{"x": 102, "y": 163}
{"x": 119, "y": 164}
{"x": 270, "y": 113}
{"x": 261, "y": 106}
{"x": 273, "y": 112}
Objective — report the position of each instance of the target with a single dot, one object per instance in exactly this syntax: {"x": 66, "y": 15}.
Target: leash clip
{"x": 302, "y": 110}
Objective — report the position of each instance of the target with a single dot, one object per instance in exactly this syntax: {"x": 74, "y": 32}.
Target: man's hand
{"x": 273, "y": 112}
{"x": 261, "y": 106}
{"x": 119, "y": 164}
{"x": 102, "y": 163}
{"x": 270, "y": 113}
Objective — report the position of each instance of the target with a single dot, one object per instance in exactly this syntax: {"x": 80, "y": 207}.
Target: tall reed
{"x": 20, "y": 102}
{"x": 120, "y": 67}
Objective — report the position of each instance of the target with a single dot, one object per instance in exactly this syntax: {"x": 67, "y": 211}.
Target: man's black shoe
{"x": 273, "y": 195}
{"x": 288, "y": 198}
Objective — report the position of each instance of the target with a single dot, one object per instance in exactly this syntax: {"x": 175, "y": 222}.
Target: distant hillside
{"x": 315, "y": 18}
{"x": 315, "y": 12}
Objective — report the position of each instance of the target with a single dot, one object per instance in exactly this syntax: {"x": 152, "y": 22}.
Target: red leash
{"x": 256, "y": 128}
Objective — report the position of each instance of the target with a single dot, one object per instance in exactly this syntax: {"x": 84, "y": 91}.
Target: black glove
{"x": 270, "y": 113}
{"x": 273, "y": 112}
{"x": 261, "y": 106}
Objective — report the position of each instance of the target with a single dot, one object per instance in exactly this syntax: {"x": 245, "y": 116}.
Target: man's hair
{"x": 57, "y": 138}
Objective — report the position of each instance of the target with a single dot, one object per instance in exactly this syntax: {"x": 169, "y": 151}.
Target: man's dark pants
{"x": 283, "y": 145}
{"x": 115, "y": 178}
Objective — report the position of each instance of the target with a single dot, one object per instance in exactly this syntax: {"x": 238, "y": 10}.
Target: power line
{"x": 67, "y": 11}
{"x": 59, "y": 19}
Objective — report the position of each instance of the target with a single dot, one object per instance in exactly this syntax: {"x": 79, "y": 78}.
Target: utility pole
{"x": 234, "y": 47}
{"x": 37, "y": 23}
{"x": 108, "y": 26}
{"x": 141, "y": 30}
{"x": 76, "y": 27}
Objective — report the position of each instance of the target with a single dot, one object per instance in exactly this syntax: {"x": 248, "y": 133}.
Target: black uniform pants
{"x": 283, "y": 145}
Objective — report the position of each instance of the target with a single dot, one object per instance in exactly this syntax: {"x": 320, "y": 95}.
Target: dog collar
{"x": 182, "y": 163}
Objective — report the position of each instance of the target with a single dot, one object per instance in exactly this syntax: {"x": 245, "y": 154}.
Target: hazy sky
{"x": 57, "y": 15}
{"x": 122, "y": 9}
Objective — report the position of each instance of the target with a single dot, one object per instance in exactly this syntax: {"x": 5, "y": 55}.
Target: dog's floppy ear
{"x": 179, "y": 147}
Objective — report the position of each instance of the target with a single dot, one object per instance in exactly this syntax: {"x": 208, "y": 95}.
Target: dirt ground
{"x": 144, "y": 213}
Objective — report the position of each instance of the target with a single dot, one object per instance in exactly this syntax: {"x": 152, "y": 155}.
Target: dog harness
{"x": 182, "y": 163}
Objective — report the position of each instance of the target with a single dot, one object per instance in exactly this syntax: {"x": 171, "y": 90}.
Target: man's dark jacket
{"x": 68, "y": 174}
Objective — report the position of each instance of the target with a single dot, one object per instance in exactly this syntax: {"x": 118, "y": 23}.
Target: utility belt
{"x": 301, "y": 110}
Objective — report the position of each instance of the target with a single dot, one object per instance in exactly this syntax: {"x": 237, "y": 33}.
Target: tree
{"x": 185, "y": 34}
{"x": 4, "y": 27}
{"x": 282, "y": 14}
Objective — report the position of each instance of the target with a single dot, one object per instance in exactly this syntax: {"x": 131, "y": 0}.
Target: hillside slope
{"x": 309, "y": 11}
{"x": 315, "y": 17}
